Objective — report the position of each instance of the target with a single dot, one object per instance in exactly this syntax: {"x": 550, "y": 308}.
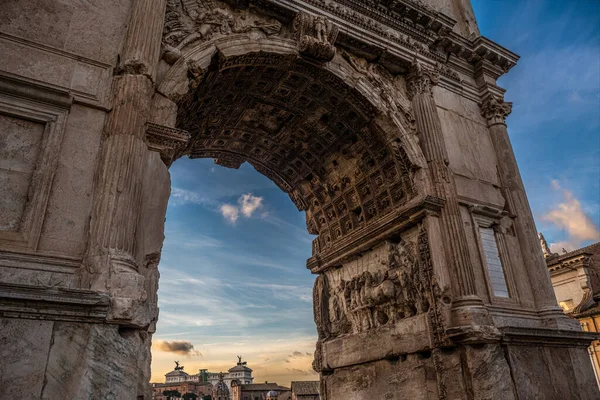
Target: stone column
{"x": 110, "y": 264}
{"x": 467, "y": 306}
{"x": 495, "y": 113}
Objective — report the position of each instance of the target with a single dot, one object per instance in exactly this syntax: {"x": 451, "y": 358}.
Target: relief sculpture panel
{"x": 192, "y": 21}
{"x": 385, "y": 286}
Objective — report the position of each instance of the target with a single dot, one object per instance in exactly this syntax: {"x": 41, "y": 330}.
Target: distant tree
{"x": 190, "y": 396}
{"x": 169, "y": 394}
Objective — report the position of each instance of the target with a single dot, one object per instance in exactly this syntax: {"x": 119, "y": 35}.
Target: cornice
{"x": 500, "y": 59}
{"x": 33, "y": 90}
{"x": 395, "y": 32}
{"x": 52, "y": 303}
{"x": 165, "y": 140}
{"x": 580, "y": 260}
{"x": 547, "y": 337}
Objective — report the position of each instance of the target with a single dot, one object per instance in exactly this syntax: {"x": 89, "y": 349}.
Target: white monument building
{"x": 240, "y": 373}
{"x": 177, "y": 375}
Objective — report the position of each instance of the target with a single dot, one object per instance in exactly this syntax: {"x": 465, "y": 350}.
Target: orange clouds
{"x": 570, "y": 216}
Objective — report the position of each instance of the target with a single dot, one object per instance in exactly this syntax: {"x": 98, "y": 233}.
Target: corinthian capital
{"x": 421, "y": 79}
{"x": 495, "y": 111}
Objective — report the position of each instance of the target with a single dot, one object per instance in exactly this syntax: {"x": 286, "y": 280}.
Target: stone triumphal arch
{"x": 381, "y": 120}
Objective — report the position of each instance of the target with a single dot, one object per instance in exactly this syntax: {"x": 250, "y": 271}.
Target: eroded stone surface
{"x": 97, "y": 361}
{"x": 24, "y": 348}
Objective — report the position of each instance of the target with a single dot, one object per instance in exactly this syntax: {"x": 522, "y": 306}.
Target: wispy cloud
{"x": 570, "y": 216}
{"x": 285, "y": 292}
{"x": 181, "y": 196}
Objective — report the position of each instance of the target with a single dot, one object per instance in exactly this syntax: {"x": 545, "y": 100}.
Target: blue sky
{"x": 233, "y": 275}
{"x": 555, "y": 123}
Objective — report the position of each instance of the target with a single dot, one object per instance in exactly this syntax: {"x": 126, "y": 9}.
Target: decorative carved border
{"x": 431, "y": 29}
{"x": 50, "y": 107}
{"x": 55, "y": 304}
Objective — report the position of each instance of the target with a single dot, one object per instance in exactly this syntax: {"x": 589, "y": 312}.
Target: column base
{"x": 469, "y": 310}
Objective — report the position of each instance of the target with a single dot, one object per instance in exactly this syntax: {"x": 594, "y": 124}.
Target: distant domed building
{"x": 272, "y": 395}
{"x": 220, "y": 390}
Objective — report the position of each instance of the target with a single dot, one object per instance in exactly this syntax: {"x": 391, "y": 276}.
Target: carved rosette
{"x": 495, "y": 111}
{"x": 421, "y": 80}
{"x": 316, "y": 36}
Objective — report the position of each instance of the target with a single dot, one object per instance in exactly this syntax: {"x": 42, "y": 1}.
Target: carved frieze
{"x": 192, "y": 21}
{"x": 374, "y": 298}
{"x": 397, "y": 282}
{"x": 316, "y": 36}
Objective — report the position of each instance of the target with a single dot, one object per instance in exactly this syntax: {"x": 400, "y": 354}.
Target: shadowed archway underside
{"x": 304, "y": 128}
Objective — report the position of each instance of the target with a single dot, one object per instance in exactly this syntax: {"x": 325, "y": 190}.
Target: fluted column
{"x": 110, "y": 264}
{"x": 495, "y": 113}
{"x": 420, "y": 82}
{"x": 141, "y": 50}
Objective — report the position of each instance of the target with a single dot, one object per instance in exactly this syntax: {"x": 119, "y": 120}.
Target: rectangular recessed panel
{"x": 20, "y": 142}
{"x": 493, "y": 262}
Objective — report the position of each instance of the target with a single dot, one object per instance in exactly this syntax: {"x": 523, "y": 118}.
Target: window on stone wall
{"x": 493, "y": 262}
{"x": 585, "y": 327}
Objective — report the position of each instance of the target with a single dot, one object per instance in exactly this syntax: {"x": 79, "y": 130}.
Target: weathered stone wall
{"x": 55, "y": 79}
{"x": 395, "y": 146}
{"x": 67, "y": 50}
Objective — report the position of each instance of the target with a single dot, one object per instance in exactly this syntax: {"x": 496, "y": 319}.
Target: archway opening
{"x": 233, "y": 278}
{"x": 314, "y": 134}
{"x": 303, "y": 127}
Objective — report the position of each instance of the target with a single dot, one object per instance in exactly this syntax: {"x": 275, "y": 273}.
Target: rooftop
{"x": 239, "y": 368}
{"x": 263, "y": 386}
{"x": 305, "y": 387}
{"x": 591, "y": 249}
{"x": 177, "y": 373}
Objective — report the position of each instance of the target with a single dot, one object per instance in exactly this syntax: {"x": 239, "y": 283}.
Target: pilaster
{"x": 495, "y": 112}
{"x": 110, "y": 264}
{"x": 467, "y": 306}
